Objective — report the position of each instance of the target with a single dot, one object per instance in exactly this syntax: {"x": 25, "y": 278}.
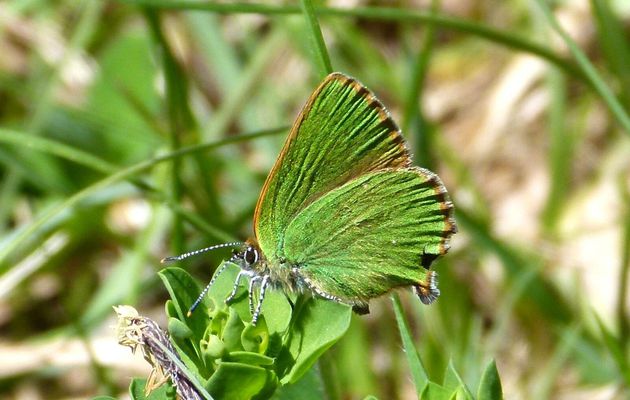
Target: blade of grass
{"x": 86, "y": 159}
{"x": 378, "y": 13}
{"x": 413, "y": 113}
{"x": 452, "y": 380}
{"x": 122, "y": 174}
{"x": 82, "y": 31}
{"x": 329, "y": 376}
{"x": 615, "y": 348}
{"x": 588, "y": 70}
{"x": 235, "y": 98}
{"x": 361, "y": 50}
{"x": 317, "y": 39}
{"x": 560, "y": 151}
{"x": 34, "y": 262}
{"x": 22, "y": 139}
{"x": 247, "y": 82}
{"x": 490, "y": 385}
{"x": 418, "y": 372}
{"x": 556, "y": 363}
{"x": 216, "y": 51}
{"x": 179, "y": 116}
{"x": 516, "y": 291}
{"x": 189, "y": 375}
{"x": 624, "y": 272}
{"x": 8, "y": 195}
{"x": 123, "y": 282}
{"x": 543, "y": 294}
{"x": 614, "y": 45}
{"x": 86, "y": 25}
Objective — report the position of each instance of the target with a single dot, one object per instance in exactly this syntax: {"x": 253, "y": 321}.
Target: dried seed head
{"x": 136, "y": 331}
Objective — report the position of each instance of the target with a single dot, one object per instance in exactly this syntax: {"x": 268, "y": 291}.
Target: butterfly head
{"x": 249, "y": 257}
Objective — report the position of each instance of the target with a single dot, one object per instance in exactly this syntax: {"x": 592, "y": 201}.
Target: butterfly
{"x": 343, "y": 213}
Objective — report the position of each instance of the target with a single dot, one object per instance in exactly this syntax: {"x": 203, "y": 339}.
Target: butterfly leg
{"x": 205, "y": 290}
{"x": 252, "y": 281}
{"x": 235, "y": 288}
{"x": 261, "y": 297}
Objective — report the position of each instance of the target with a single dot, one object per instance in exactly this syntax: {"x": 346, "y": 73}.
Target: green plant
{"x": 224, "y": 356}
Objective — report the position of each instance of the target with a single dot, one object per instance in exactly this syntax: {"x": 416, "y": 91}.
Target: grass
{"x": 135, "y": 129}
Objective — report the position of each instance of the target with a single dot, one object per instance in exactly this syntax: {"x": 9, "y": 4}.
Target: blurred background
{"x": 96, "y": 98}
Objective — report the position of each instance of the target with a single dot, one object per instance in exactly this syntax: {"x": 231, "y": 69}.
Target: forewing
{"x": 342, "y": 132}
{"x": 372, "y": 234}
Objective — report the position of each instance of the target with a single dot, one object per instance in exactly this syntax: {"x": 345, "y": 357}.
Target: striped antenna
{"x": 195, "y": 252}
{"x": 205, "y": 290}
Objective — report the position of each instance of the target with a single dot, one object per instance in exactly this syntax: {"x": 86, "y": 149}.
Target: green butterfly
{"x": 343, "y": 214}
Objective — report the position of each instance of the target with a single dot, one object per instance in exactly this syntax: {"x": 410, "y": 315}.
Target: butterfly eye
{"x": 251, "y": 256}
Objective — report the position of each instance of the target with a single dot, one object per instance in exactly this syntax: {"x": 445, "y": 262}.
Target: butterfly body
{"x": 343, "y": 213}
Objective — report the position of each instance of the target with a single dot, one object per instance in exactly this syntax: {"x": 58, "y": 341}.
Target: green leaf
{"x": 614, "y": 43}
{"x": 490, "y": 386}
{"x": 615, "y": 349}
{"x": 317, "y": 325}
{"x": 213, "y": 349}
{"x": 317, "y": 39}
{"x": 255, "y": 338}
{"x": 125, "y": 73}
{"x": 462, "y": 394}
{"x": 418, "y": 372}
{"x": 137, "y": 388}
{"x": 451, "y": 378}
{"x": 309, "y": 387}
{"x": 278, "y": 315}
{"x": 241, "y": 381}
{"x": 183, "y": 291}
{"x": 433, "y": 391}
{"x": 233, "y": 331}
{"x": 246, "y": 357}
{"x": 453, "y": 381}
{"x": 178, "y": 329}
{"x": 170, "y": 309}
{"x": 600, "y": 86}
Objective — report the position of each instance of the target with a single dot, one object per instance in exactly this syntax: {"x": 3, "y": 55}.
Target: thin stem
{"x": 418, "y": 372}
{"x": 413, "y": 117}
{"x": 123, "y": 174}
{"x": 376, "y": 13}
{"x": 589, "y": 70}
{"x": 179, "y": 116}
{"x": 624, "y": 273}
{"x": 319, "y": 46}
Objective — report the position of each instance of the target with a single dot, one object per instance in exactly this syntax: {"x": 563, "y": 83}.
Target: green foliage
{"x": 452, "y": 385}
{"x": 237, "y": 360}
{"x": 490, "y": 385}
{"x": 233, "y": 359}
{"x": 137, "y": 391}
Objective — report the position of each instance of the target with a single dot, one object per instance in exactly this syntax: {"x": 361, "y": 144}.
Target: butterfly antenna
{"x": 214, "y": 278}
{"x": 195, "y": 252}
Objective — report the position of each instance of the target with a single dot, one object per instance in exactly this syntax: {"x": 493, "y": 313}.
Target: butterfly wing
{"x": 371, "y": 234}
{"x": 342, "y": 132}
